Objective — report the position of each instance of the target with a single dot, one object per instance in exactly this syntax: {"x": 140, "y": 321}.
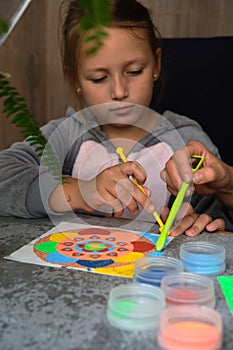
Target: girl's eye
{"x": 136, "y": 72}
{"x": 99, "y": 80}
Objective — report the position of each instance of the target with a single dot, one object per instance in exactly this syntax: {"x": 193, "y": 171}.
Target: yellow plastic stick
{"x": 120, "y": 151}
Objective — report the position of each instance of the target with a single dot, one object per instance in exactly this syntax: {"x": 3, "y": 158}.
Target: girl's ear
{"x": 157, "y": 63}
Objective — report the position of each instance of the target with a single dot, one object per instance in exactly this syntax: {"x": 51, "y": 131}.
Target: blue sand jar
{"x": 151, "y": 270}
{"x": 203, "y": 258}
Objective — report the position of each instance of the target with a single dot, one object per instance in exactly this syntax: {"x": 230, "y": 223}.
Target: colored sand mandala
{"x": 101, "y": 250}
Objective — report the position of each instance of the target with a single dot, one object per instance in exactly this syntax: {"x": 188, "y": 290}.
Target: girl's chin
{"x": 121, "y": 125}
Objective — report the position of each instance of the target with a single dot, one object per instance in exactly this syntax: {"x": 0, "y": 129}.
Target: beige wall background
{"x": 192, "y": 18}
{"x": 31, "y": 53}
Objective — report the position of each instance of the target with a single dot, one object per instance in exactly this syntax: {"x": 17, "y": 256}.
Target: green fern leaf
{"x": 15, "y": 106}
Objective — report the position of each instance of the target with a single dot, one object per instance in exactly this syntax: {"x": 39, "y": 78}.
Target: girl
{"x": 113, "y": 88}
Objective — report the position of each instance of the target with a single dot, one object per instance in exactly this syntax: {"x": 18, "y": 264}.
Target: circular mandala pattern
{"x": 94, "y": 248}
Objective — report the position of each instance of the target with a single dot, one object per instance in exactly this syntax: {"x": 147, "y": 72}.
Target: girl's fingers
{"x": 130, "y": 193}
{"x": 115, "y": 187}
{"x": 132, "y": 197}
{"x": 125, "y": 192}
{"x": 134, "y": 170}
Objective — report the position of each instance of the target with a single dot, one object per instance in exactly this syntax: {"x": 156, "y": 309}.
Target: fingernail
{"x": 151, "y": 208}
{"x": 173, "y": 233}
{"x": 190, "y": 191}
{"x": 190, "y": 232}
{"x": 210, "y": 227}
{"x": 197, "y": 178}
{"x": 187, "y": 178}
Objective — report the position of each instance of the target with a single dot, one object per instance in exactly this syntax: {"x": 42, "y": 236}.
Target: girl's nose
{"x": 119, "y": 89}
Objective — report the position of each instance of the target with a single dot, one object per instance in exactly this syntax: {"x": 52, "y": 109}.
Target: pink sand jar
{"x": 188, "y": 288}
{"x": 195, "y": 327}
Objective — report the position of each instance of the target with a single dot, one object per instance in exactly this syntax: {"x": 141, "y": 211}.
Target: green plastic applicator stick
{"x": 171, "y": 217}
{"x": 175, "y": 207}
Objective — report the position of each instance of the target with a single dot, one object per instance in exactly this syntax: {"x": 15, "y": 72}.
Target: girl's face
{"x": 122, "y": 69}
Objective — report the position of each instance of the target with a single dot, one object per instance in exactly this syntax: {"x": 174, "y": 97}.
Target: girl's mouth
{"x": 122, "y": 110}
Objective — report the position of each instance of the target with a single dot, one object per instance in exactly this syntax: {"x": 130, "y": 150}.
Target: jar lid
{"x": 203, "y": 257}
{"x": 190, "y": 327}
{"x": 135, "y": 306}
{"x": 152, "y": 269}
{"x": 187, "y": 288}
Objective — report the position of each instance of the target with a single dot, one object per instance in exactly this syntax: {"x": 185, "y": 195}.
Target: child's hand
{"x": 113, "y": 187}
{"x": 192, "y": 223}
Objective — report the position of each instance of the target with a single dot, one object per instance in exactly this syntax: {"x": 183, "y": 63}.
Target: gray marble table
{"x": 45, "y": 308}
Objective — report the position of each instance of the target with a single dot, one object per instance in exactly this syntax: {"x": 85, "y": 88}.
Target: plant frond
{"x": 97, "y": 16}
{"x": 15, "y": 106}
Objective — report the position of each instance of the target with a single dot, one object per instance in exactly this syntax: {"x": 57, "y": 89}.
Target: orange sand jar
{"x": 195, "y": 327}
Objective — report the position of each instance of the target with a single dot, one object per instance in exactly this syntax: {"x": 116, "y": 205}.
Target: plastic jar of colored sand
{"x": 195, "y": 327}
{"x": 135, "y": 306}
{"x": 187, "y": 288}
{"x": 203, "y": 258}
{"x": 152, "y": 269}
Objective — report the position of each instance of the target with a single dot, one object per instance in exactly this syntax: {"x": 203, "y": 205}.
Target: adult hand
{"x": 192, "y": 223}
{"x": 214, "y": 175}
